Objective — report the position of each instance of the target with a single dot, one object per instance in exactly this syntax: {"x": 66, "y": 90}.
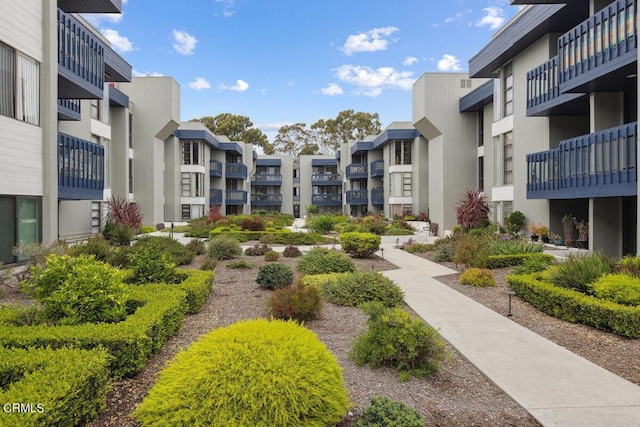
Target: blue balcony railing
{"x": 357, "y": 171}
{"x": 266, "y": 199}
{"x": 215, "y": 168}
{"x": 235, "y": 171}
{"x": 543, "y": 91}
{"x": 377, "y": 196}
{"x": 357, "y": 197}
{"x": 80, "y": 169}
{"x": 215, "y": 197}
{"x": 377, "y": 168}
{"x": 601, "y": 164}
{"x": 235, "y": 197}
{"x": 80, "y": 60}
{"x": 266, "y": 179}
{"x": 605, "y": 42}
{"x": 69, "y": 109}
{"x": 326, "y": 179}
{"x": 326, "y": 199}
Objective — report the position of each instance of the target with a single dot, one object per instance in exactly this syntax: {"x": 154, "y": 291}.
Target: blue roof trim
{"x": 207, "y": 137}
{"x": 478, "y": 98}
{"x": 361, "y": 146}
{"x": 324, "y": 162}
{"x": 268, "y": 162}
{"x": 391, "y": 134}
{"x": 231, "y": 146}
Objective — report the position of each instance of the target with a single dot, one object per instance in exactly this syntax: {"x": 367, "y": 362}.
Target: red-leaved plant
{"x": 215, "y": 214}
{"x": 473, "y": 210}
{"x": 122, "y": 211}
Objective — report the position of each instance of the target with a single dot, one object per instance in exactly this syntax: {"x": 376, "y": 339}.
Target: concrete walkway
{"x": 556, "y": 386}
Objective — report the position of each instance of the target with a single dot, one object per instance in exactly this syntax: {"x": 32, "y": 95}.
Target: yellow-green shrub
{"x": 65, "y": 387}
{"x": 360, "y": 245}
{"x": 620, "y": 288}
{"x": 318, "y": 280}
{"x": 477, "y": 277}
{"x": 253, "y": 373}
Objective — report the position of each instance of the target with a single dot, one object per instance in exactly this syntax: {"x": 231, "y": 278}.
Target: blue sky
{"x": 290, "y": 61}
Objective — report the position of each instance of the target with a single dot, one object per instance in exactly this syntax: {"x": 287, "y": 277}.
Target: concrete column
{"x": 607, "y": 109}
{"x": 606, "y": 213}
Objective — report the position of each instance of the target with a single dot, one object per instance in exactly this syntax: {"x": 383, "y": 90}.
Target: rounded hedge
{"x": 252, "y": 373}
{"x": 360, "y": 245}
{"x": 224, "y": 247}
{"x": 352, "y": 289}
{"x": 324, "y": 260}
{"x": 274, "y": 276}
{"x": 481, "y": 277}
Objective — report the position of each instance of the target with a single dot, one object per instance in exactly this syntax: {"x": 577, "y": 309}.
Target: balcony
{"x": 235, "y": 171}
{"x": 91, "y": 6}
{"x": 357, "y": 171}
{"x": 69, "y": 109}
{"x": 601, "y": 164}
{"x": 266, "y": 179}
{"x": 215, "y": 168}
{"x": 377, "y": 168}
{"x": 357, "y": 197}
{"x": 80, "y": 60}
{"x": 377, "y": 196}
{"x": 80, "y": 169}
{"x": 235, "y": 197}
{"x": 266, "y": 199}
{"x": 326, "y": 179}
{"x": 326, "y": 199}
{"x": 215, "y": 197}
{"x": 598, "y": 54}
{"x": 544, "y": 97}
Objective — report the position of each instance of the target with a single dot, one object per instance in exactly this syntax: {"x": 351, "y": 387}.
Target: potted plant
{"x": 533, "y": 230}
{"x": 543, "y": 232}
{"x": 583, "y": 234}
{"x": 556, "y": 239}
{"x": 567, "y": 227}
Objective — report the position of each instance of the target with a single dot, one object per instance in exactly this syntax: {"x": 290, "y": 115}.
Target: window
{"x": 19, "y": 86}
{"x": 130, "y": 130}
{"x": 186, "y": 184}
{"x": 481, "y": 128}
{"x": 131, "y": 176}
{"x": 186, "y": 212}
{"x": 191, "y": 153}
{"x": 401, "y": 152}
{"x": 508, "y": 159}
{"x": 480, "y": 173}
{"x": 21, "y": 222}
{"x": 508, "y": 89}
{"x": 95, "y": 109}
{"x": 406, "y": 184}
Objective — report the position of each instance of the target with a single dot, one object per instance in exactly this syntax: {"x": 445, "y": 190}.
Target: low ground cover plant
{"x": 383, "y": 411}
{"x": 619, "y": 288}
{"x": 252, "y": 373}
{"x": 355, "y": 288}
{"x": 324, "y": 260}
{"x": 240, "y": 264}
{"x": 274, "y": 276}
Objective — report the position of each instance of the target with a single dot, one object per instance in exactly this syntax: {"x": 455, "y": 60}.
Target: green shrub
{"x": 619, "y": 288}
{"x": 516, "y": 222}
{"x": 240, "y": 264}
{"x": 177, "y": 252}
{"x": 77, "y": 290}
{"x": 533, "y": 264}
{"x": 418, "y": 248}
{"x": 96, "y": 245}
{"x": 146, "y": 229}
{"x": 271, "y": 256}
{"x": 291, "y": 252}
{"x": 356, "y": 288}
{"x": 384, "y": 412}
{"x": 629, "y": 265}
{"x": 480, "y": 277}
{"x": 513, "y": 246}
{"x": 149, "y": 264}
{"x": 285, "y": 237}
{"x": 252, "y": 373}
{"x": 360, "y": 245}
{"x": 300, "y": 303}
{"x": 574, "y": 306}
{"x": 501, "y": 261}
{"x": 64, "y": 387}
{"x": 396, "y": 231}
{"x": 373, "y": 224}
{"x": 324, "y": 260}
{"x": 322, "y": 224}
{"x": 274, "y": 276}
{"x": 471, "y": 251}
{"x": 117, "y": 233}
{"x": 444, "y": 250}
{"x": 319, "y": 280}
{"x": 197, "y": 246}
{"x": 252, "y": 223}
{"x": 209, "y": 263}
{"x": 224, "y": 247}
{"x": 257, "y": 250}
{"x": 197, "y": 286}
{"x": 397, "y": 339}
{"x": 579, "y": 272}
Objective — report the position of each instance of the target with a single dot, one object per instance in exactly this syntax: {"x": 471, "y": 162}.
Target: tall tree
{"x": 295, "y": 139}
{"x": 348, "y": 126}
{"x": 236, "y": 128}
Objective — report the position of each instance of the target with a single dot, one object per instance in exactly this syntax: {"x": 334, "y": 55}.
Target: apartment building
{"x": 57, "y": 106}
{"x": 563, "y": 117}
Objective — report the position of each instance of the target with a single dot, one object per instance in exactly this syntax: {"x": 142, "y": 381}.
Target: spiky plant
{"x": 122, "y": 211}
{"x": 473, "y": 209}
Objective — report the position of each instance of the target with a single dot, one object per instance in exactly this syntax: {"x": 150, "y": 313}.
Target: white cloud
{"x": 183, "y": 42}
{"x": 240, "y": 86}
{"x": 409, "y": 60}
{"x": 456, "y": 18}
{"x": 227, "y": 7}
{"x": 137, "y": 73}
{"x": 200, "y": 83}
{"x": 371, "y": 82}
{"x": 272, "y": 127}
{"x": 119, "y": 43}
{"x": 449, "y": 63}
{"x": 370, "y": 41}
{"x": 493, "y": 17}
{"x": 332, "y": 89}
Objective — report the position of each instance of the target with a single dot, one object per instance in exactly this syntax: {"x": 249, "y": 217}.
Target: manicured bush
{"x": 360, "y": 245}
{"x": 224, "y": 247}
{"x": 501, "y": 261}
{"x": 579, "y": 272}
{"x": 516, "y": 222}
{"x": 252, "y": 373}
{"x": 319, "y": 280}
{"x": 418, "y": 248}
{"x": 291, "y": 252}
{"x": 257, "y": 250}
{"x": 274, "y": 276}
{"x": 197, "y": 286}
{"x": 177, "y": 252}
{"x": 240, "y": 264}
{"x": 324, "y": 260}
{"x": 480, "y": 277}
{"x": 300, "y": 303}
{"x": 397, "y": 339}
{"x": 65, "y": 387}
{"x": 356, "y": 288}
{"x": 574, "y": 306}
{"x": 271, "y": 256}
{"x": 149, "y": 264}
{"x": 197, "y": 246}
{"x": 619, "y": 288}
{"x": 397, "y": 231}
{"x": 322, "y": 224}
{"x": 383, "y": 412}
{"x": 285, "y": 237}
{"x": 77, "y": 290}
